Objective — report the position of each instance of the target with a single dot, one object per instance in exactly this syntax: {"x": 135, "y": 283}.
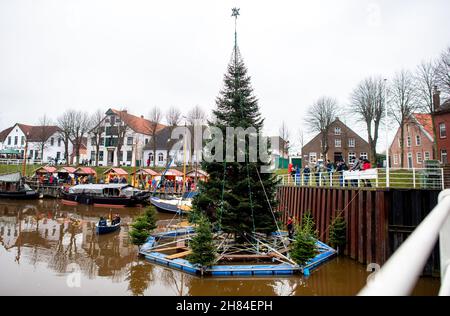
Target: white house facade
{"x": 137, "y": 133}
{"x": 21, "y": 136}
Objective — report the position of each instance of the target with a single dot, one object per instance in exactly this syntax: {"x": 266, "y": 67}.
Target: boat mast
{"x": 24, "y": 165}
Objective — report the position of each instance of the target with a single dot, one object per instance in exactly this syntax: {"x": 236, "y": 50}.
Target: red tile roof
{"x": 137, "y": 124}
{"x": 46, "y": 169}
{"x": 85, "y": 170}
{"x": 174, "y": 172}
{"x": 38, "y": 133}
{"x": 146, "y": 171}
{"x": 67, "y": 169}
{"x": 118, "y": 171}
{"x": 5, "y": 133}
{"x": 425, "y": 121}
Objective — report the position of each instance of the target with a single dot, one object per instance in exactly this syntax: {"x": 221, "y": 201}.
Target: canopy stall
{"x": 143, "y": 178}
{"x": 115, "y": 175}
{"x": 67, "y": 174}
{"x": 10, "y": 153}
{"x": 45, "y": 174}
{"x": 84, "y": 175}
{"x": 201, "y": 175}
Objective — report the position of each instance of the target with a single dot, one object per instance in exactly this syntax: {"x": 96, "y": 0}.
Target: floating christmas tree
{"x": 238, "y": 198}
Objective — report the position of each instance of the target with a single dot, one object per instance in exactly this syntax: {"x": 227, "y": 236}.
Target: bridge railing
{"x": 417, "y": 178}
{"x": 400, "y": 273}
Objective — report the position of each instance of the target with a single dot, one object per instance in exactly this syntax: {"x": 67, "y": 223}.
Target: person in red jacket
{"x": 365, "y": 166}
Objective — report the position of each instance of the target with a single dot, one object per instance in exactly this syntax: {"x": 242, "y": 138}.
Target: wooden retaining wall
{"x": 378, "y": 221}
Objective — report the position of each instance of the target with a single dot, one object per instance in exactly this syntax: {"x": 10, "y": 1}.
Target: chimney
{"x": 125, "y": 111}
{"x": 436, "y": 99}
{"x": 142, "y": 116}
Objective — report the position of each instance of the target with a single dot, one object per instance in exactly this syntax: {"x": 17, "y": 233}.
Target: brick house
{"x": 418, "y": 142}
{"x": 442, "y": 120}
{"x": 344, "y": 145}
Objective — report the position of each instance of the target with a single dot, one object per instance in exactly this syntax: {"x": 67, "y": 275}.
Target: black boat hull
{"x": 28, "y": 195}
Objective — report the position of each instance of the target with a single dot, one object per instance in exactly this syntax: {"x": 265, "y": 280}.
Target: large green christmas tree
{"x": 238, "y": 198}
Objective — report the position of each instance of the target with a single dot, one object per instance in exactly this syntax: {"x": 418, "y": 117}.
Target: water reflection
{"x": 40, "y": 239}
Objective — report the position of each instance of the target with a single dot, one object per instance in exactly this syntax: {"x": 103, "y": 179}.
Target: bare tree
{"x": 443, "y": 71}
{"x": 66, "y": 123}
{"x": 368, "y": 105}
{"x": 173, "y": 116}
{"x": 285, "y": 135}
{"x": 403, "y": 103}
{"x": 97, "y": 131}
{"x": 425, "y": 81}
{"x": 319, "y": 118}
{"x": 44, "y": 132}
{"x": 155, "y": 116}
{"x": 196, "y": 114}
{"x": 81, "y": 126}
{"x": 120, "y": 129}
{"x": 301, "y": 140}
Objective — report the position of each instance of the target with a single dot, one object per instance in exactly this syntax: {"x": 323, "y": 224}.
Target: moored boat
{"x": 13, "y": 186}
{"x": 106, "y": 229}
{"x": 179, "y": 205}
{"x": 111, "y": 195}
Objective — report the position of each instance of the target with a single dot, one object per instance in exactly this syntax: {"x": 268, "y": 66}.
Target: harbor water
{"x": 47, "y": 248}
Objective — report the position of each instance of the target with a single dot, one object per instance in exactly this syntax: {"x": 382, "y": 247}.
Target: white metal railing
{"x": 417, "y": 178}
{"x": 400, "y": 273}
{"x": 20, "y": 161}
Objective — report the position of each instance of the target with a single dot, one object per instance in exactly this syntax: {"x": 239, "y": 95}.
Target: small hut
{"x": 84, "y": 175}
{"x": 45, "y": 174}
{"x": 198, "y": 174}
{"x": 67, "y": 174}
{"x": 144, "y": 178}
{"x": 115, "y": 175}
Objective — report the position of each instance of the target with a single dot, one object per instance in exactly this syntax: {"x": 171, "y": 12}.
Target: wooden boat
{"x": 111, "y": 195}
{"x": 178, "y": 205}
{"x": 13, "y": 186}
{"x": 106, "y": 229}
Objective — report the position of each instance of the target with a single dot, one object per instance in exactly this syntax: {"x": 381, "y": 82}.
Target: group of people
{"x": 115, "y": 220}
{"x": 117, "y": 179}
{"x": 323, "y": 172}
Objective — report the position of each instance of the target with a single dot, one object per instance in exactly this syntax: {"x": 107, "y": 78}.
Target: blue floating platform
{"x": 325, "y": 253}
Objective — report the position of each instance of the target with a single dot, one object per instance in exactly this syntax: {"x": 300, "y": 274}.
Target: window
{"x": 93, "y": 141}
{"x": 93, "y": 155}
{"x": 395, "y": 159}
{"x": 22, "y": 140}
{"x": 426, "y": 155}
{"x": 444, "y": 156}
{"x": 150, "y": 156}
{"x": 9, "y": 140}
{"x": 160, "y": 157}
{"x": 337, "y": 131}
{"x": 146, "y": 141}
{"x": 31, "y": 154}
{"x": 363, "y": 155}
{"x": 52, "y": 141}
{"x": 419, "y": 157}
{"x": 442, "y": 130}
{"x": 337, "y": 143}
{"x": 58, "y": 155}
{"x": 351, "y": 142}
{"x": 129, "y": 155}
{"x": 36, "y": 154}
{"x": 16, "y": 140}
{"x": 418, "y": 140}
{"x": 129, "y": 141}
{"x": 113, "y": 120}
{"x": 351, "y": 157}
{"x": 408, "y": 141}
{"x": 312, "y": 157}
{"x": 59, "y": 141}
{"x": 399, "y": 143}
{"x": 102, "y": 141}
{"x": 120, "y": 155}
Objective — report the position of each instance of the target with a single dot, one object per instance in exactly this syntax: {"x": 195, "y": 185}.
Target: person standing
{"x": 290, "y": 227}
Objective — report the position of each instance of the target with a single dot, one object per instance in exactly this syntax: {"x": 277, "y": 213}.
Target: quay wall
{"x": 378, "y": 221}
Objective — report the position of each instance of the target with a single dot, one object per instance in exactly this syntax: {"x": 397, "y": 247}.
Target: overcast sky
{"x": 89, "y": 54}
